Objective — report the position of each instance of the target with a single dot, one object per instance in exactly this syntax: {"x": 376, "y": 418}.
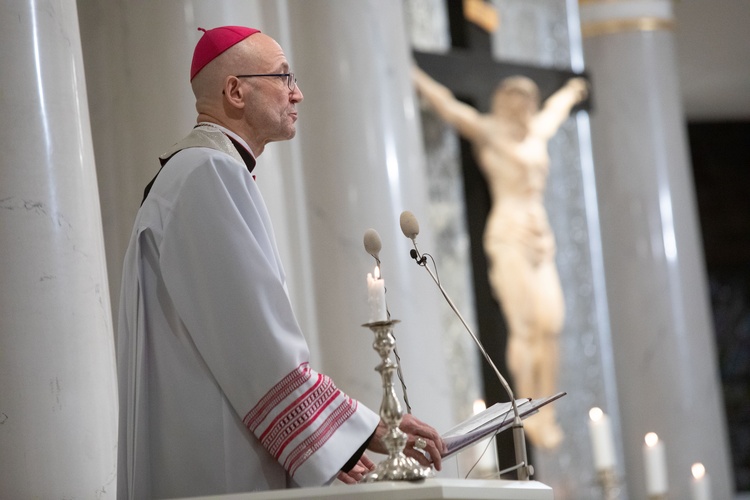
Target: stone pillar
{"x": 662, "y": 336}
{"x": 58, "y": 396}
{"x": 363, "y": 165}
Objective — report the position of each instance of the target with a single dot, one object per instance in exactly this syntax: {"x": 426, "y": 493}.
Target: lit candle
{"x": 701, "y": 485}
{"x": 376, "y": 296}
{"x": 602, "y": 443}
{"x": 655, "y": 463}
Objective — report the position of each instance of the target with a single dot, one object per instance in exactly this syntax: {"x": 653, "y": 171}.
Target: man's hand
{"x": 415, "y": 430}
{"x": 358, "y": 472}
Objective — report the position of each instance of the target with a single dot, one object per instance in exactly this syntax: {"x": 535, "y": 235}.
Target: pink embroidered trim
{"x": 283, "y": 389}
{"x": 314, "y": 411}
{"x": 299, "y": 415}
{"x": 317, "y": 439}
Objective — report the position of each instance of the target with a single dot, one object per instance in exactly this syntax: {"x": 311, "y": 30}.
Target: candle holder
{"x": 608, "y": 482}
{"x": 658, "y": 496}
{"x": 397, "y": 466}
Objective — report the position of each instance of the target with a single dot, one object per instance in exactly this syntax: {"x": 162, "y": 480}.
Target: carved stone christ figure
{"x": 510, "y": 146}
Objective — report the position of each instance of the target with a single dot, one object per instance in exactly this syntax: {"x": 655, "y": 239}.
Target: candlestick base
{"x": 401, "y": 468}
{"x": 609, "y": 484}
{"x": 397, "y": 466}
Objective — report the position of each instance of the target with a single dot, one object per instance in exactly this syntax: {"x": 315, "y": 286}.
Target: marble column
{"x": 58, "y": 405}
{"x": 363, "y": 165}
{"x": 662, "y": 336}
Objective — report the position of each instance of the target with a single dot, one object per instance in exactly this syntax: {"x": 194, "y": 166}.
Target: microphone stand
{"x": 523, "y": 468}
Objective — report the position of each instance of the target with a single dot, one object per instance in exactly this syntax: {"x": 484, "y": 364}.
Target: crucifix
{"x": 494, "y": 106}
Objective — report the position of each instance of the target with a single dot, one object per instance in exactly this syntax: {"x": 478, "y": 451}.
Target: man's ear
{"x": 233, "y": 92}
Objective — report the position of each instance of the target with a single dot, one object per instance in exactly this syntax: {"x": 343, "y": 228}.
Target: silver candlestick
{"x": 609, "y": 483}
{"x": 397, "y": 466}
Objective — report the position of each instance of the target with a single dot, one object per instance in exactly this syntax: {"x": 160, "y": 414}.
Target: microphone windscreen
{"x": 409, "y": 224}
{"x": 372, "y": 243}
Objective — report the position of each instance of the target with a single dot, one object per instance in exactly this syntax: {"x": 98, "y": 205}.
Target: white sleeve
{"x": 222, "y": 272}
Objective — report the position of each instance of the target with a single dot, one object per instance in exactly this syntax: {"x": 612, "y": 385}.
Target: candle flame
{"x": 596, "y": 414}
{"x": 376, "y": 273}
{"x": 698, "y": 470}
{"x": 651, "y": 439}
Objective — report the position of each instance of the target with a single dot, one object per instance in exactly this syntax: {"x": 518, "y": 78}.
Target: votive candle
{"x": 655, "y": 463}
{"x": 602, "y": 443}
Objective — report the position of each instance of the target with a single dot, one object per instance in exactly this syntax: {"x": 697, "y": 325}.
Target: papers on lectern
{"x": 493, "y": 420}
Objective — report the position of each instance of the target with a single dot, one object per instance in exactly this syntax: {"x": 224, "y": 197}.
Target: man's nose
{"x": 296, "y": 94}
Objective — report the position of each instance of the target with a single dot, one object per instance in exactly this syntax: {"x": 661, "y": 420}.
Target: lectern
{"x": 426, "y": 489}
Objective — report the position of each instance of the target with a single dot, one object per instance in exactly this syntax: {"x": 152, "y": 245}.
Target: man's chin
{"x": 285, "y": 135}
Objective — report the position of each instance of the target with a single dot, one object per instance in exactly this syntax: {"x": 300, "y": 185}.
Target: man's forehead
{"x": 269, "y": 51}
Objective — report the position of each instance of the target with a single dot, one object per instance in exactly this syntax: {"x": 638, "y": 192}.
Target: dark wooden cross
{"x": 472, "y": 74}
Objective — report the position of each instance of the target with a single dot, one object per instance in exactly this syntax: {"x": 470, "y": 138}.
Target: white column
{"x": 58, "y": 405}
{"x": 362, "y": 163}
{"x": 665, "y": 361}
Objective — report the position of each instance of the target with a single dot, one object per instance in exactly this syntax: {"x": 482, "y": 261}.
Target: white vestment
{"x": 216, "y": 393}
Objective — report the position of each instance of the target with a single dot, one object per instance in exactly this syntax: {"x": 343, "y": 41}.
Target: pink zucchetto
{"x": 214, "y": 42}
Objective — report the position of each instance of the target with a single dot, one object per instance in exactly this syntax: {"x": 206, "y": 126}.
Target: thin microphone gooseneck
{"x": 373, "y": 245}
{"x": 410, "y": 228}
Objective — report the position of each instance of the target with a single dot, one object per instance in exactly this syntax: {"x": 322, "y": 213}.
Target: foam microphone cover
{"x": 409, "y": 224}
{"x": 373, "y": 243}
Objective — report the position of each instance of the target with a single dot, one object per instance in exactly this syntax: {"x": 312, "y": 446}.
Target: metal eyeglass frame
{"x": 291, "y": 82}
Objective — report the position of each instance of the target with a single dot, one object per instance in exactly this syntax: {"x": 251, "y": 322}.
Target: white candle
{"x": 655, "y": 464}
{"x": 602, "y": 442}
{"x": 376, "y": 296}
{"x": 701, "y": 484}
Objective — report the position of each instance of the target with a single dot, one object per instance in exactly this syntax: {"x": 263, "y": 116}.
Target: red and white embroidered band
{"x": 298, "y": 416}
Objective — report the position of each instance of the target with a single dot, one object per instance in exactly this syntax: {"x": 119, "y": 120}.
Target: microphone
{"x": 410, "y": 228}
{"x": 409, "y": 224}
{"x": 373, "y": 244}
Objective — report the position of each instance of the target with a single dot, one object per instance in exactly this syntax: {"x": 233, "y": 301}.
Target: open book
{"x": 493, "y": 420}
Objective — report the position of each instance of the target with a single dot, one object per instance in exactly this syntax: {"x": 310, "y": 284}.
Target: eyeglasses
{"x": 291, "y": 82}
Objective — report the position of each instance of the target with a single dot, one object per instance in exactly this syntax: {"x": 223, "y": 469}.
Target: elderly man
{"x": 216, "y": 391}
